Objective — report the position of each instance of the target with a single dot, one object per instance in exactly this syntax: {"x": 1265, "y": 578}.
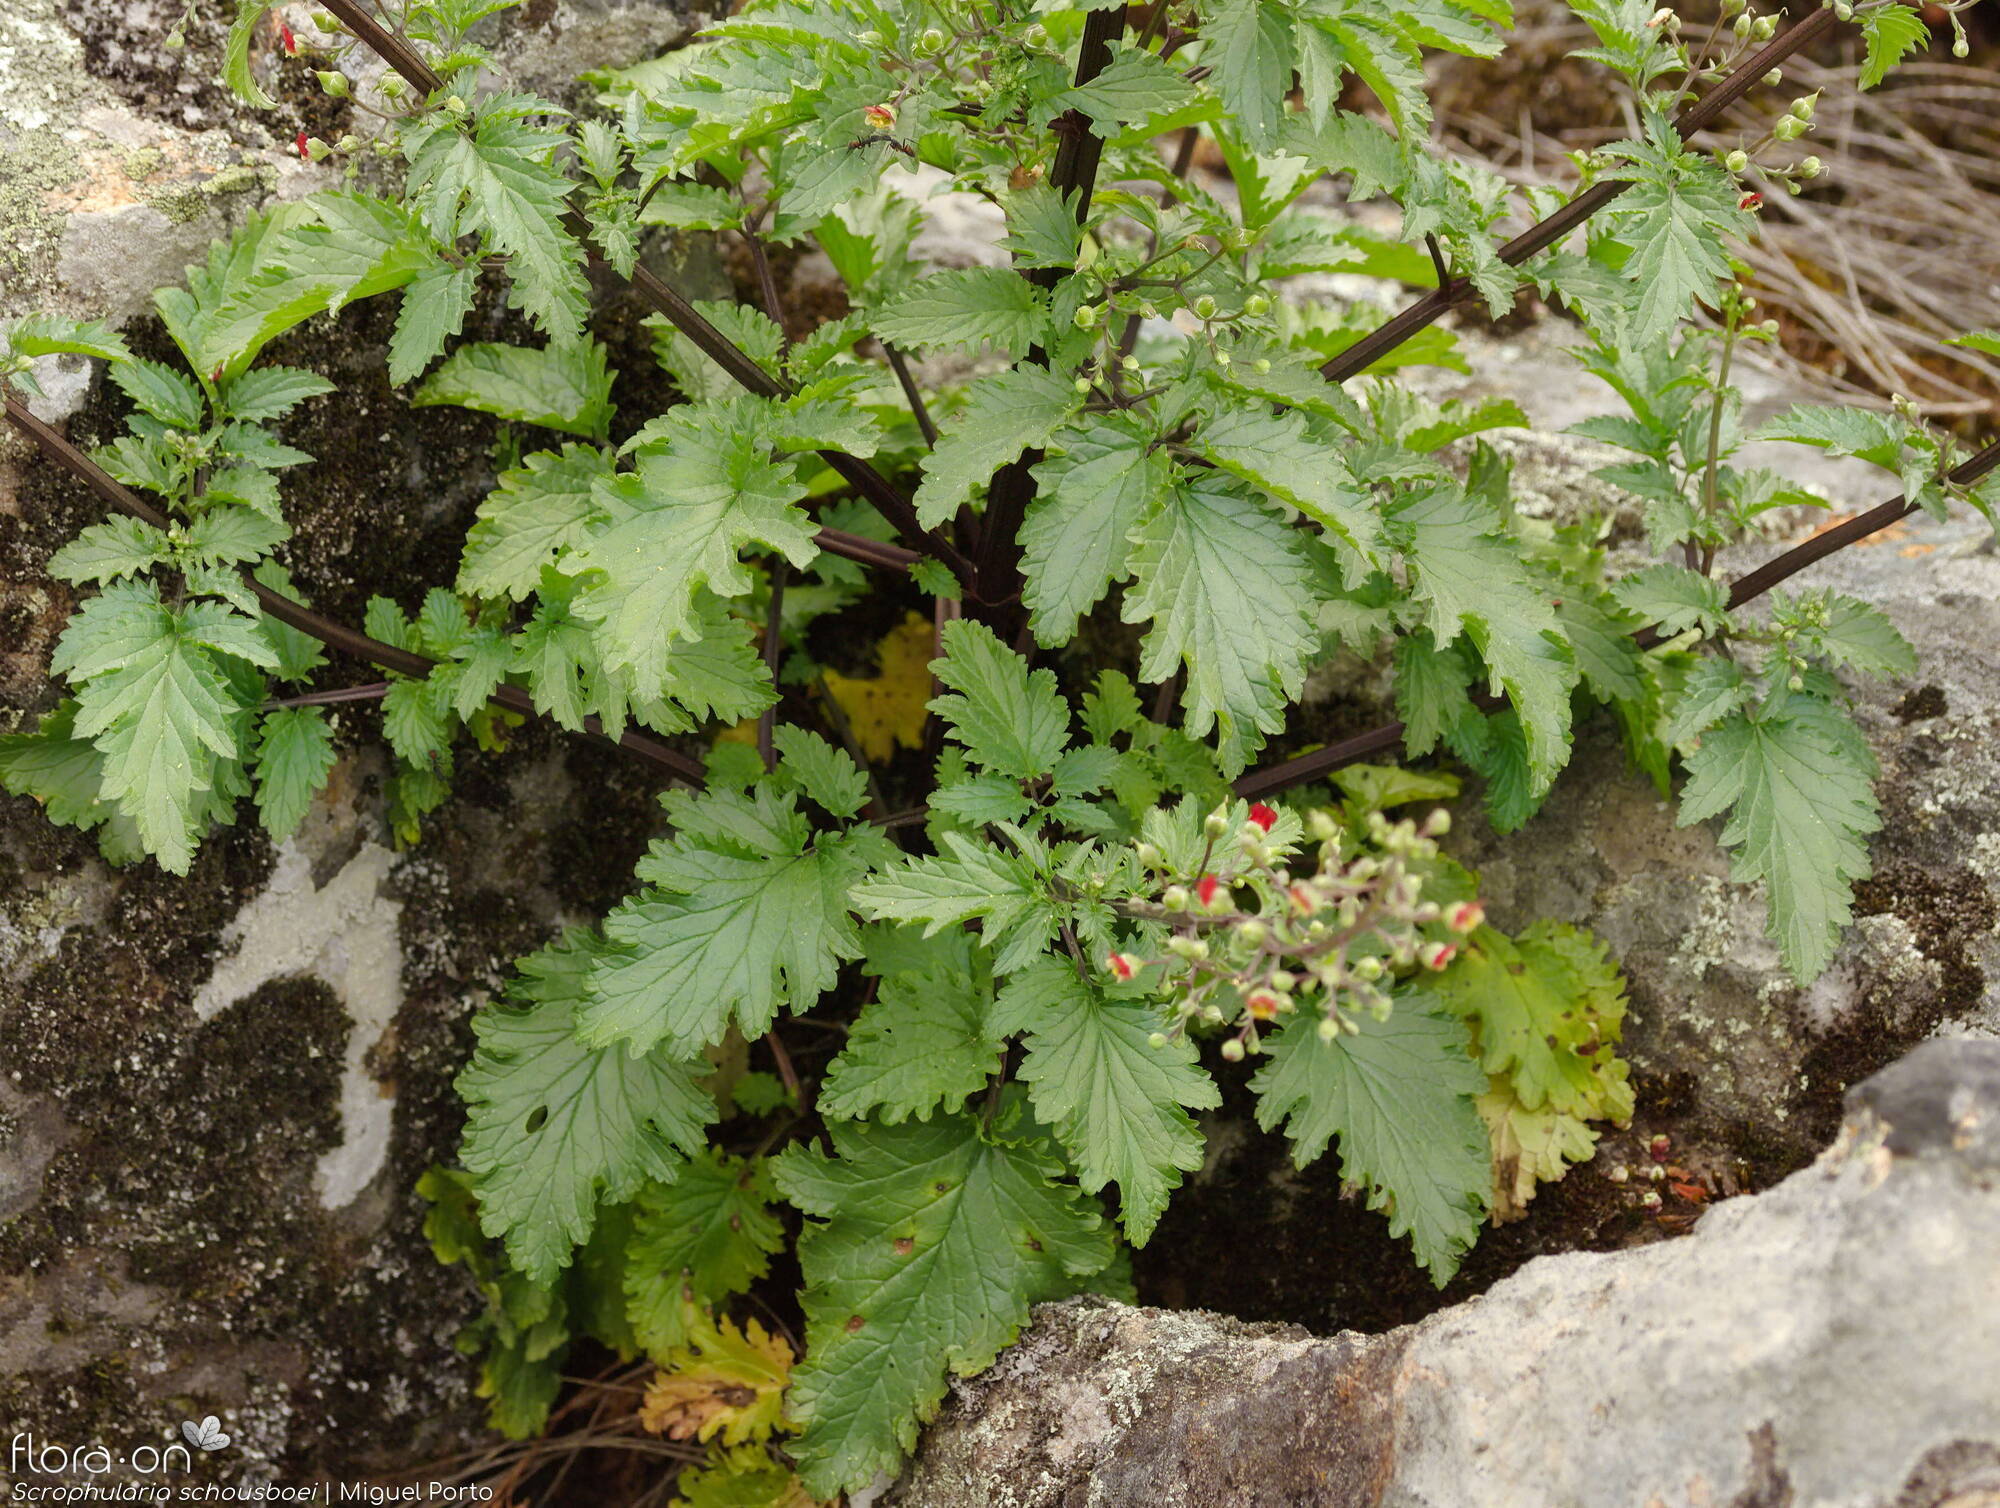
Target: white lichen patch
{"x": 343, "y": 933}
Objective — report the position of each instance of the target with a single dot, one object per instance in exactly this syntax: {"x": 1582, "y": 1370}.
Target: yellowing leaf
{"x": 725, "y": 1382}
{"x": 887, "y": 710}
{"x": 1530, "y": 1147}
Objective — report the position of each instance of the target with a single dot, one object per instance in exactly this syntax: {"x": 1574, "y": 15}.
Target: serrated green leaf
{"x": 1470, "y": 580}
{"x": 226, "y": 535}
{"x": 678, "y": 523}
{"x": 1042, "y": 229}
{"x": 1400, "y": 1097}
{"x": 271, "y": 392}
{"x": 294, "y": 755}
{"x": 1249, "y": 43}
{"x": 708, "y": 1234}
{"x": 1118, "y": 1104}
{"x": 1004, "y": 415}
{"x": 1712, "y": 689}
{"x": 966, "y": 881}
{"x": 435, "y": 303}
{"x": 1675, "y": 599}
{"x": 1011, "y": 719}
{"x": 236, "y": 55}
{"x": 414, "y": 720}
{"x": 1225, "y": 587}
{"x": 965, "y": 308}
{"x": 534, "y": 512}
{"x": 503, "y": 180}
{"x": 119, "y": 546}
{"x": 826, "y": 774}
{"x": 1275, "y": 452}
{"x": 1891, "y": 32}
{"x": 736, "y": 939}
{"x": 921, "y": 1043}
{"x": 566, "y": 387}
{"x": 1088, "y": 500}
{"x": 159, "y": 390}
{"x": 1131, "y": 89}
{"x": 52, "y": 335}
{"x": 1799, "y": 789}
{"x": 553, "y": 1126}
{"x": 924, "y": 1247}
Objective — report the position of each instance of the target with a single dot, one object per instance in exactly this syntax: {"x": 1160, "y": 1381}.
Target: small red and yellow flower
{"x": 1435, "y": 955}
{"x": 1121, "y": 966}
{"x": 1263, "y": 1005}
{"x": 880, "y": 117}
{"x": 1752, "y": 201}
{"x": 291, "y": 42}
{"x": 1465, "y": 916}
{"x": 1205, "y": 889}
{"x": 1263, "y": 816}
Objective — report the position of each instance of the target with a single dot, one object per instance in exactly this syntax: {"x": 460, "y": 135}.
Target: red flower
{"x": 1751, "y": 201}
{"x": 304, "y": 154}
{"x": 1120, "y": 965}
{"x": 1263, "y": 816}
{"x": 291, "y": 42}
{"x": 1206, "y": 887}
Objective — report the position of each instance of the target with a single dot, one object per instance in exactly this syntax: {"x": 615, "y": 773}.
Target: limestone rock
{"x": 1833, "y": 1342}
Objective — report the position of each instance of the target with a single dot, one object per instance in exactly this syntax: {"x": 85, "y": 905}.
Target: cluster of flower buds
{"x": 1255, "y": 936}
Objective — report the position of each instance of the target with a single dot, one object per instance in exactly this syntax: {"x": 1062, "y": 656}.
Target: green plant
{"x": 1033, "y": 963}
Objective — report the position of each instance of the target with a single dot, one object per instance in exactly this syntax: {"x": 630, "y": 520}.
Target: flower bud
{"x": 1960, "y": 48}
{"x": 1146, "y": 854}
{"x": 333, "y": 82}
{"x": 1256, "y": 304}
{"x": 1765, "y": 29}
{"x": 1082, "y": 384}
{"x": 1222, "y": 358}
{"x": 1262, "y": 365}
{"x": 869, "y": 39}
{"x": 176, "y": 40}
{"x": 1737, "y": 160}
{"x": 1204, "y": 307}
{"x": 1129, "y": 363}
{"x": 326, "y": 21}
{"x": 392, "y": 86}
{"x": 1743, "y": 25}
{"x": 1190, "y": 948}
{"x": 1843, "y": 11}
{"x": 1802, "y": 107}
{"x": 454, "y": 105}
{"x": 1328, "y": 1028}
{"x": 291, "y": 43}
{"x": 1810, "y": 167}
{"x": 1663, "y": 17}
{"x": 932, "y": 40}
{"x": 1233, "y": 1050}
{"x": 1252, "y": 933}
{"x": 1156, "y": 1041}
{"x": 316, "y": 150}
{"x": 1789, "y": 128}
{"x": 1368, "y": 968}
{"x": 1175, "y": 898}
{"x": 1775, "y": 77}
{"x": 1770, "y": 328}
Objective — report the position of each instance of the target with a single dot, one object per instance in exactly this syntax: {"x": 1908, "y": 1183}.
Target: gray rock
{"x": 1833, "y": 1342}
